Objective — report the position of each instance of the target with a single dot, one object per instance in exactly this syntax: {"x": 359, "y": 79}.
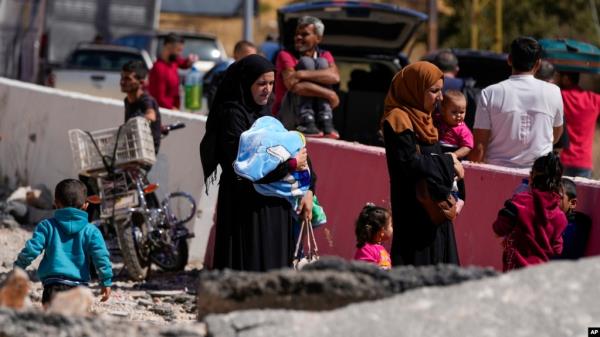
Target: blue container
{"x": 571, "y": 55}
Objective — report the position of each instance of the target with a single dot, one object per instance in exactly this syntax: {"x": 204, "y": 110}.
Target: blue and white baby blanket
{"x": 262, "y": 148}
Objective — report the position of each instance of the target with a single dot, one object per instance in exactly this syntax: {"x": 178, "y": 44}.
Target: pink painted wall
{"x": 350, "y": 175}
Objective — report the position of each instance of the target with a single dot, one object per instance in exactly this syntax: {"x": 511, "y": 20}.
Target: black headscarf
{"x": 234, "y": 90}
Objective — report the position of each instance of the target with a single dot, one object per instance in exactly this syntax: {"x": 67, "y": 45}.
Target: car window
{"x": 101, "y": 60}
{"x": 206, "y": 49}
{"x": 364, "y": 76}
{"x": 346, "y": 69}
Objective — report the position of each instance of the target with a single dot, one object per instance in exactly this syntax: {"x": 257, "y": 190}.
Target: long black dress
{"x": 416, "y": 240}
{"x": 253, "y": 232}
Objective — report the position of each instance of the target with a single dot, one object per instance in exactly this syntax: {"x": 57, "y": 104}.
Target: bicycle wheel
{"x": 180, "y": 208}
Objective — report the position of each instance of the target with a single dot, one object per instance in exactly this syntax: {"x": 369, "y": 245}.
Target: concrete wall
{"x": 35, "y": 148}
{"x": 350, "y": 175}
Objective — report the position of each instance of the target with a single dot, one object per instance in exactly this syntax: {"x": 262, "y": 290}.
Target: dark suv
{"x": 366, "y": 40}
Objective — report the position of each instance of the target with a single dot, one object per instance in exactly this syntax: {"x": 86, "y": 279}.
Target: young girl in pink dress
{"x": 373, "y": 226}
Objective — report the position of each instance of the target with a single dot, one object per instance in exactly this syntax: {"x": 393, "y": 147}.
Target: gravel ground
{"x": 163, "y": 298}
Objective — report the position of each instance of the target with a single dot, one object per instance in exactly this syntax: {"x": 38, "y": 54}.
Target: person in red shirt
{"x": 163, "y": 81}
{"x": 308, "y": 72}
{"x": 582, "y": 109}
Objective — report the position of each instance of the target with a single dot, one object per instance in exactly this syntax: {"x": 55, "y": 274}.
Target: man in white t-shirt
{"x": 518, "y": 119}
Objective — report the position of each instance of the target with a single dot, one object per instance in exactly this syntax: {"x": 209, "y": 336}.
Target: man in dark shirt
{"x": 138, "y": 103}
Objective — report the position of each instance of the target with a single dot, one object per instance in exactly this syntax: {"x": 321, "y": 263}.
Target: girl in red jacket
{"x": 532, "y": 221}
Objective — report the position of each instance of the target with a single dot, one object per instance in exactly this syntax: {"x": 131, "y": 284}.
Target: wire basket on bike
{"x": 101, "y": 150}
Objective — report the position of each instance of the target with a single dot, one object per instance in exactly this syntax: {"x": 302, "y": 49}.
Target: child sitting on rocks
{"x": 69, "y": 243}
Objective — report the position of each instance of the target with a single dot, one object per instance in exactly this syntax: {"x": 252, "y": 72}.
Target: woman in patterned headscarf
{"x": 413, "y": 154}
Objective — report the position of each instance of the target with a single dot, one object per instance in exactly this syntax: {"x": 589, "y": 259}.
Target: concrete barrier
{"x": 35, "y": 149}
{"x": 350, "y": 175}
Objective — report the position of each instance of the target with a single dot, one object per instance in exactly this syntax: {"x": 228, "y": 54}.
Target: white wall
{"x": 35, "y": 149}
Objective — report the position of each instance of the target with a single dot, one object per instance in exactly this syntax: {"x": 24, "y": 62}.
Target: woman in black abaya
{"x": 253, "y": 232}
{"x": 413, "y": 153}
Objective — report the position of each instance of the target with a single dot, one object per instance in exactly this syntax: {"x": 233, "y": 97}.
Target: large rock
{"x": 328, "y": 284}
{"x": 13, "y": 291}
{"x": 73, "y": 302}
{"x": 38, "y": 324}
{"x": 557, "y": 299}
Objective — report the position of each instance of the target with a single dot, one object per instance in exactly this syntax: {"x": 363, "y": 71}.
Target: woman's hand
{"x": 458, "y": 168}
{"x": 305, "y": 207}
{"x": 301, "y": 159}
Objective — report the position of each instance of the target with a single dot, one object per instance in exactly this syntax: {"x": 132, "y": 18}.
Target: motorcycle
{"x": 148, "y": 230}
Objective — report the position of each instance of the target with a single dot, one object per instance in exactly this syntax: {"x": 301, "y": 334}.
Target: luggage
{"x": 571, "y": 55}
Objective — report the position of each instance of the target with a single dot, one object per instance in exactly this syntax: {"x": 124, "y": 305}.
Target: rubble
{"x": 558, "y": 299}
{"x": 33, "y": 323}
{"x": 324, "y": 285}
{"x": 126, "y": 295}
{"x": 74, "y": 302}
{"x": 14, "y": 292}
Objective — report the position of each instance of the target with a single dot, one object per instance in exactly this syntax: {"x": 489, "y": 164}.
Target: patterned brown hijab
{"x": 403, "y": 107}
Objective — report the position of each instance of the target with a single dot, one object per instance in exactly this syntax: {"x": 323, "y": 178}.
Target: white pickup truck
{"x": 96, "y": 69}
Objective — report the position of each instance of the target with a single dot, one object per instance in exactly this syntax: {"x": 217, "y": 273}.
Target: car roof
{"x": 349, "y": 4}
{"x": 107, "y": 47}
{"x": 353, "y": 27}
{"x": 193, "y": 35}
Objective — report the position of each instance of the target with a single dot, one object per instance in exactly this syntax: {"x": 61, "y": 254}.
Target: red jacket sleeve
{"x": 505, "y": 222}
{"x": 158, "y": 87}
{"x": 183, "y": 62}
{"x": 557, "y": 239}
{"x": 503, "y": 225}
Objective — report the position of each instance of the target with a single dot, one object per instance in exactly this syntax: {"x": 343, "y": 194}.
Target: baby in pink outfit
{"x": 454, "y": 134}
{"x": 373, "y": 226}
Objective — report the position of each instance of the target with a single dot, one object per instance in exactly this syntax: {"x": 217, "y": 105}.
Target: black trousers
{"x": 50, "y": 291}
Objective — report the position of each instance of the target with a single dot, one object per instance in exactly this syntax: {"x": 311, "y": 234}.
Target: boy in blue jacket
{"x": 69, "y": 243}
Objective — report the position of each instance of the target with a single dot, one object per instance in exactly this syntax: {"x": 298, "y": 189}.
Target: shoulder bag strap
{"x": 311, "y": 237}
{"x": 299, "y": 240}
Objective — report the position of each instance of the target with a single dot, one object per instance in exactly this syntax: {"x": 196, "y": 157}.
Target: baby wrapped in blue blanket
{"x": 265, "y": 146}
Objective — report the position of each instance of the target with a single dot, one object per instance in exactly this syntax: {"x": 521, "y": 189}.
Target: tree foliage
{"x": 537, "y": 18}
